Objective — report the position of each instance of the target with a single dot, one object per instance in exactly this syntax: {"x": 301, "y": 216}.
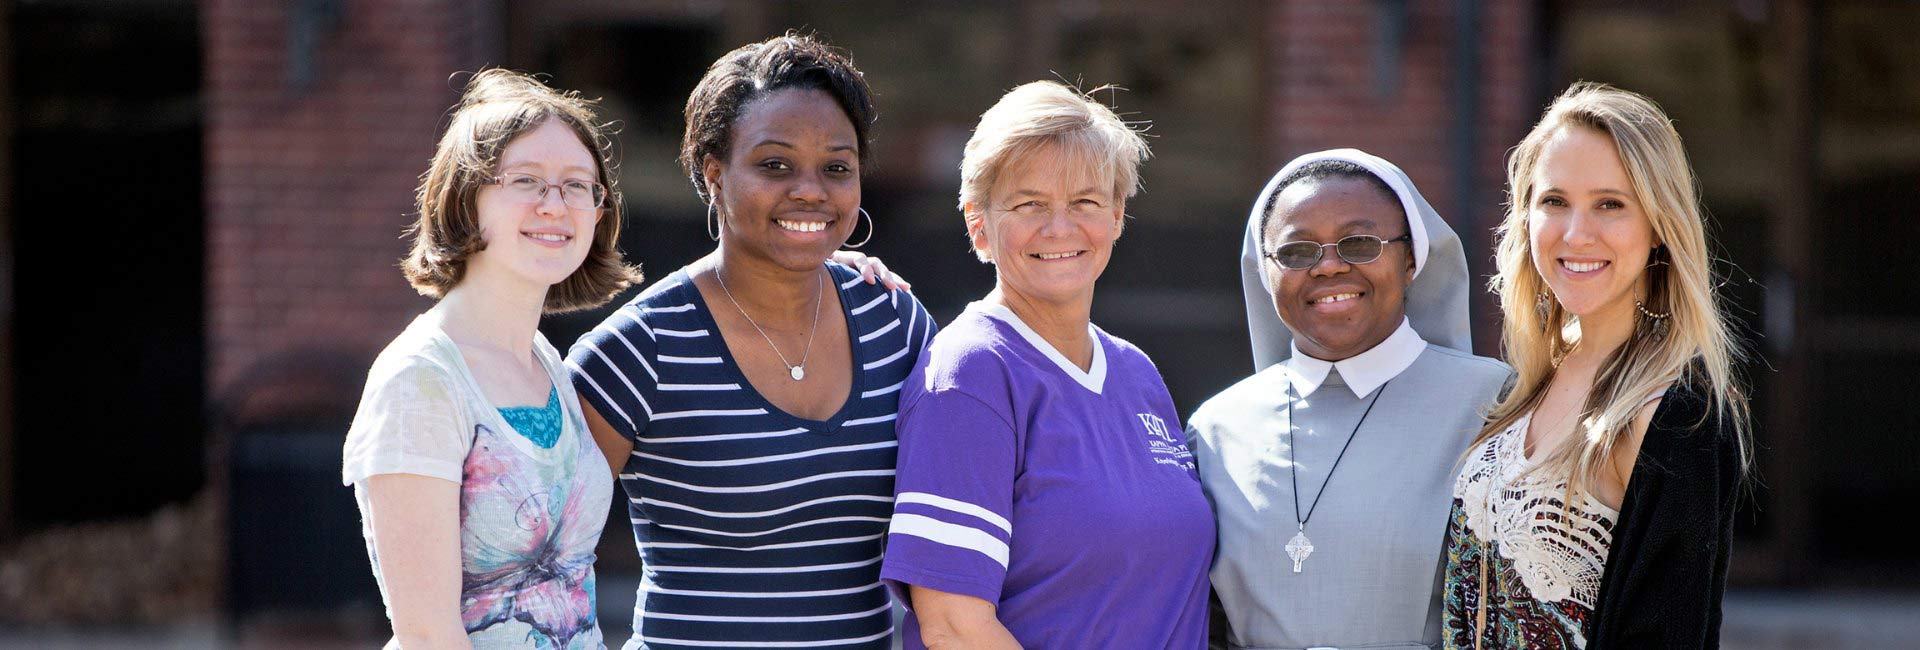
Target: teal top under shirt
{"x": 540, "y": 424}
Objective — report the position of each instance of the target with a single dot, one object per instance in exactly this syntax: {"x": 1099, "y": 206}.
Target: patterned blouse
{"x": 1523, "y": 566}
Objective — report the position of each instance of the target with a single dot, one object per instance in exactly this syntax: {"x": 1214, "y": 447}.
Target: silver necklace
{"x": 796, "y": 371}
{"x": 1300, "y": 547}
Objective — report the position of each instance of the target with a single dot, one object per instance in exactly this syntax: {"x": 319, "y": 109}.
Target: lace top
{"x": 1539, "y": 585}
{"x": 539, "y": 424}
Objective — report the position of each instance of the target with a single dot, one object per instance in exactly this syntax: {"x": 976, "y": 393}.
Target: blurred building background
{"x": 201, "y": 207}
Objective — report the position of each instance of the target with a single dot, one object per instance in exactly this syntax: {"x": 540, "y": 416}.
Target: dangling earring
{"x": 1543, "y": 309}
{"x": 871, "y": 226}
{"x": 1651, "y": 325}
{"x": 713, "y": 224}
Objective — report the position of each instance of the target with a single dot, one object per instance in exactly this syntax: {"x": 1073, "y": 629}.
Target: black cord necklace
{"x": 1300, "y": 547}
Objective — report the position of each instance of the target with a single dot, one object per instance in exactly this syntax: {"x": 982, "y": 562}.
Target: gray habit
{"x": 1373, "y": 579}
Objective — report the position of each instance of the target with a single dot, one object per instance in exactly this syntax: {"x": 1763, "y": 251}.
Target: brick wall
{"x": 309, "y": 185}
{"x": 1322, "y": 93}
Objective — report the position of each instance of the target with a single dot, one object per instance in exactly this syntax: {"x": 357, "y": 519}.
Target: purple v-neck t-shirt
{"x": 1066, "y": 497}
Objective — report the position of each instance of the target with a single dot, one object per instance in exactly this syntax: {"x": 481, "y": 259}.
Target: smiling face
{"x": 1589, "y": 235}
{"x": 1049, "y": 227}
{"x": 535, "y": 243}
{"x": 1337, "y": 310}
{"x": 790, "y": 188}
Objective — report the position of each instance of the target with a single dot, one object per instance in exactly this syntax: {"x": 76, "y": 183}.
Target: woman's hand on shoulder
{"x": 871, "y": 269}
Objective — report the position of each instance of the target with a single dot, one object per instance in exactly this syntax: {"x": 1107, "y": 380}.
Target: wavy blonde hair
{"x": 1697, "y": 348}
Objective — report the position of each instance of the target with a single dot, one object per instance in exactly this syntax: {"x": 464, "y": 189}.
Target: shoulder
{"x": 862, "y": 297}
{"x": 1686, "y": 433}
{"x": 415, "y": 358}
{"x": 1477, "y": 368}
{"x": 669, "y": 304}
{"x": 1124, "y": 351}
{"x": 970, "y": 355}
{"x": 671, "y": 298}
{"x": 1256, "y": 392}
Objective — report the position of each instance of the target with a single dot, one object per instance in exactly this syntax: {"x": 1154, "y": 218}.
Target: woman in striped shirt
{"x": 747, "y": 401}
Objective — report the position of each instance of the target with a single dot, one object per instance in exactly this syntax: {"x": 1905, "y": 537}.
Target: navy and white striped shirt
{"x": 757, "y": 528}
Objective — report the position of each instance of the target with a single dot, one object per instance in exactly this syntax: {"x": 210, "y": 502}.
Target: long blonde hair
{"x": 1697, "y": 347}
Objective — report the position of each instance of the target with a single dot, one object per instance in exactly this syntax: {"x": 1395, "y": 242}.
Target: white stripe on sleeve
{"x": 956, "y": 506}
{"x": 955, "y": 535}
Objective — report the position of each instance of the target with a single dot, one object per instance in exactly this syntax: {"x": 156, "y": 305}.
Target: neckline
{"x": 1527, "y": 464}
{"x": 854, "y": 387}
{"x": 498, "y": 419}
{"x": 1094, "y": 378}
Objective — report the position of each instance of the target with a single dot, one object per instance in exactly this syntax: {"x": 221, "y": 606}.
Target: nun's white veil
{"x": 1436, "y": 299}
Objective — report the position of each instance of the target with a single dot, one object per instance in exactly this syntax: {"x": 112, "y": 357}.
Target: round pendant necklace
{"x": 796, "y": 371}
{"x": 1300, "y": 547}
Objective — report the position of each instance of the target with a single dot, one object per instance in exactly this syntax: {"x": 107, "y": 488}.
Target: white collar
{"x": 1093, "y": 379}
{"x": 1363, "y": 372}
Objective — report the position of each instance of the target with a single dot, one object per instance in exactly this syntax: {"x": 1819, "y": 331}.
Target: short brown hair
{"x": 496, "y": 107}
{"x": 756, "y": 70}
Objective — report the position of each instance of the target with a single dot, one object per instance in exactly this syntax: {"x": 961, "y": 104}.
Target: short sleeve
{"x": 920, "y": 325}
{"x": 953, "y": 497}
{"x": 412, "y": 420}
{"x": 610, "y": 369}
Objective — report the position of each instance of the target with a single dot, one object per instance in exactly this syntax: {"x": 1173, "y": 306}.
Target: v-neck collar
{"x": 1094, "y": 378}
{"x": 703, "y": 311}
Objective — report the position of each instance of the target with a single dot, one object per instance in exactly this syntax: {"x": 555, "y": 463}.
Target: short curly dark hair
{"x": 753, "y": 71}
{"x": 498, "y": 106}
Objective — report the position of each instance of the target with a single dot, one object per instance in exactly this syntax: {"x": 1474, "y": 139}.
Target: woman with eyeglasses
{"x": 481, "y": 491}
{"x": 1328, "y": 468}
{"x": 747, "y": 401}
{"x": 1596, "y": 507}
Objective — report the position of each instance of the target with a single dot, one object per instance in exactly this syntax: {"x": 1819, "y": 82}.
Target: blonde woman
{"x": 1045, "y": 498}
{"x": 1595, "y": 508}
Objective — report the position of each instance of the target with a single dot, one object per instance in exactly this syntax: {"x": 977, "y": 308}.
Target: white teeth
{"x": 1056, "y": 256}
{"x": 1582, "y": 267}
{"x": 548, "y": 236}
{"x": 1339, "y": 297}
{"x": 802, "y": 226}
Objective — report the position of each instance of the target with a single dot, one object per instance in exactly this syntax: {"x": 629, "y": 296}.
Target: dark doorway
{"x": 106, "y": 237}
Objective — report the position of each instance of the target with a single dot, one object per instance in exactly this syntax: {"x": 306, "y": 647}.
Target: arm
{"x": 957, "y": 622}
{"x": 617, "y": 448}
{"x": 416, "y": 536}
{"x": 609, "y": 369}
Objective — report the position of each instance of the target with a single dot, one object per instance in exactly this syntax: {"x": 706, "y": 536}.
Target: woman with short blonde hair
{"x": 1044, "y": 496}
{"x": 1595, "y": 508}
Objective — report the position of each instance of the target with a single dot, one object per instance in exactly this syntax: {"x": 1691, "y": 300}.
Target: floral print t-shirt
{"x": 529, "y": 516}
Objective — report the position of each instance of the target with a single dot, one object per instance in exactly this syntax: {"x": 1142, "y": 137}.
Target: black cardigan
{"x": 1667, "y": 567}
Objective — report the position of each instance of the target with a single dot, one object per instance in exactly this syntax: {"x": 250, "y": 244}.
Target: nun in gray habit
{"x": 1329, "y": 469}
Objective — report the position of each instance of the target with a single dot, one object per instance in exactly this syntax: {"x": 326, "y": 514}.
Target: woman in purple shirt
{"x": 1044, "y": 497}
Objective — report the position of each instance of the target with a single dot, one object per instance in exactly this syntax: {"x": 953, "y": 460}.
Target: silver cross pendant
{"x": 1299, "y": 548}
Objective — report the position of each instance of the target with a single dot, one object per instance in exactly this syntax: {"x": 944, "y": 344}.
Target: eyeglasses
{"x": 576, "y": 194}
{"x": 1353, "y": 249}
